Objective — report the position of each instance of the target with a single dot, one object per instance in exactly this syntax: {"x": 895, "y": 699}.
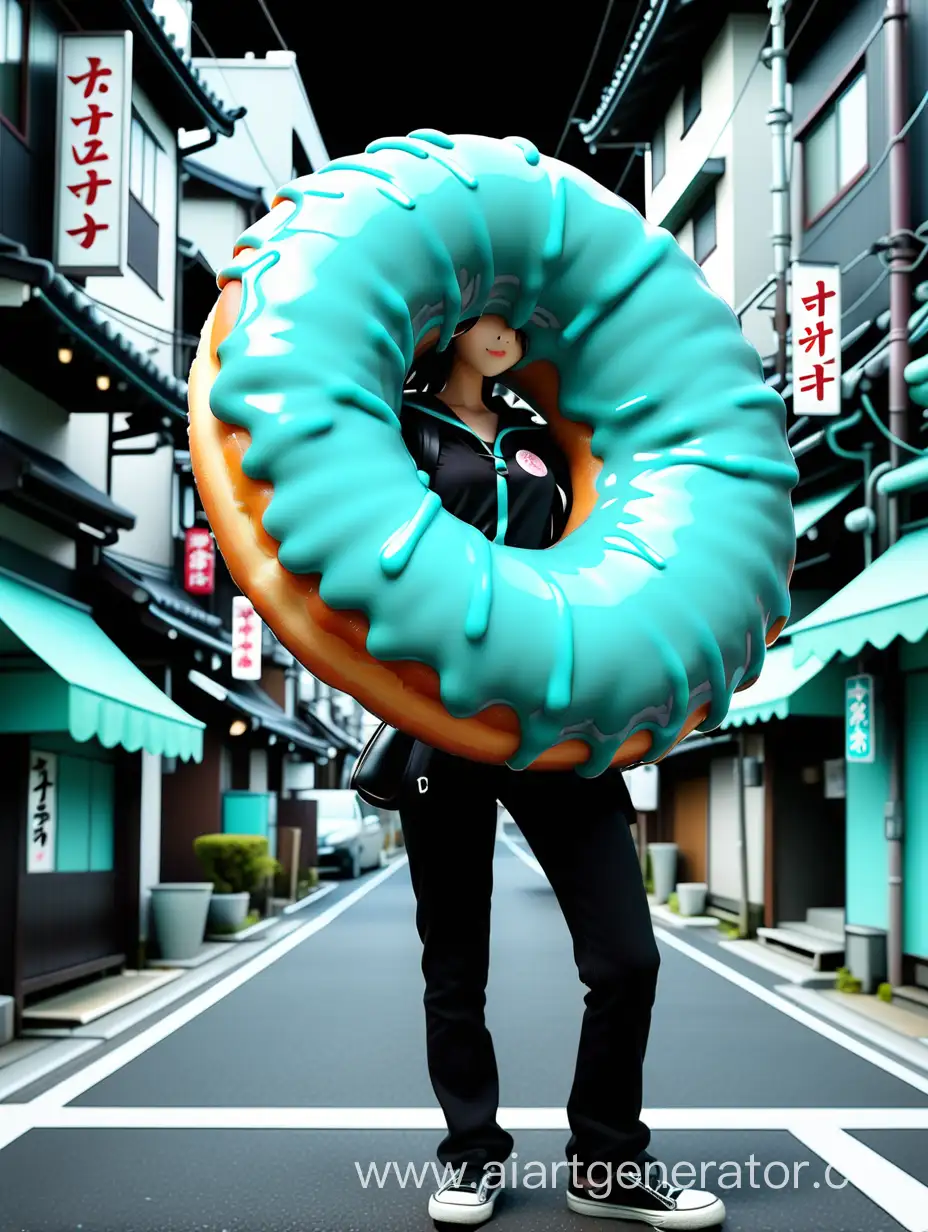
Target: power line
{"x": 586, "y": 75}
{"x": 244, "y": 121}
{"x": 799, "y": 29}
{"x": 262, "y": 5}
{"x": 744, "y": 89}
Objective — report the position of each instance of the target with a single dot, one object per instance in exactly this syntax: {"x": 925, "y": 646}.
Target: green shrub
{"x": 251, "y": 918}
{"x": 846, "y": 982}
{"x": 885, "y": 992}
{"x": 673, "y": 902}
{"x": 731, "y": 932}
{"x": 648, "y": 875}
{"x": 235, "y": 863}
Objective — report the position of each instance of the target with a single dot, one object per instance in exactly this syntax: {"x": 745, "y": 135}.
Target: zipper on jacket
{"x": 499, "y": 462}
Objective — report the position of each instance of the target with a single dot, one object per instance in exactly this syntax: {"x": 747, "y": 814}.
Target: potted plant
{"x": 691, "y": 896}
{"x": 236, "y": 864}
{"x": 179, "y": 910}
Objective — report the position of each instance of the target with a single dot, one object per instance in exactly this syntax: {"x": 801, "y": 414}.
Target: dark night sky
{"x": 381, "y": 70}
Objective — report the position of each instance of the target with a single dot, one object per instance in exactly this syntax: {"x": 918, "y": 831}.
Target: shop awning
{"x": 781, "y": 690}
{"x": 254, "y": 704}
{"x": 163, "y": 605}
{"x": 92, "y": 691}
{"x": 332, "y": 730}
{"x": 887, "y": 600}
{"x": 809, "y": 513}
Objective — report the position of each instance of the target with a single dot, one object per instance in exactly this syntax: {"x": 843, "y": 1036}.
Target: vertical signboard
{"x": 816, "y": 330}
{"x": 199, "y": 562}
{"x": 41, "y": 812}
{"x": 246, "y": 640}
{"x": 92, "y": 157}
{"x": 859, "y": 742}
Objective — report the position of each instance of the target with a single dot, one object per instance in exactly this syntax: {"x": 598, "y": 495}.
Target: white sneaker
{"x": 469, "y": 1202}
{"x": 652, "y": 1202}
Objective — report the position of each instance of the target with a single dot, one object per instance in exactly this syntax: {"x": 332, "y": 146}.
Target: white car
{"x": 348, "y": 839}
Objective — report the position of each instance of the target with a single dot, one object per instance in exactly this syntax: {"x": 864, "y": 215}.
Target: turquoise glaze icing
{"x": 661, "y": 600}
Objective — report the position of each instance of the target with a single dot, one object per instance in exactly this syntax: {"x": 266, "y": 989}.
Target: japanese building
{"x": 821, "y": 763}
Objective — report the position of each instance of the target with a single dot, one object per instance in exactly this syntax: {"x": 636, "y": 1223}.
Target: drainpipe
{"x": 745, "y": 911}
{"x": 896, "y": 33}
{"x": 778, "y": 119}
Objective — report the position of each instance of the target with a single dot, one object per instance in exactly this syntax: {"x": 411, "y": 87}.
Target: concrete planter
{"x": 691, "y": 897}
{"x": 663, "y": 869}
{"x": 227, "y": 912}
{"x": 179, "y": 910}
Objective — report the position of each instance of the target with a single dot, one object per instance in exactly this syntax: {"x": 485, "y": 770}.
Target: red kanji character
{"x": 818, "y": 298}
{"x": 92, "y": 183}
{"x": 816, "y": 380}
{"x": 244, "y": 661}
{"x": 92, "y": 120}
{"x": 93, "y": 154}
{"x": 89, "y": 231}
{"x": 92, "y": 76}
{"x": 811, "y": 336}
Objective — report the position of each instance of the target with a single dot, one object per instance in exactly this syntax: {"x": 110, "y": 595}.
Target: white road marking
{"x": 774, "y": 1000}
{"x": 896, "y": 1192}
{"x": 797, "y": 1121}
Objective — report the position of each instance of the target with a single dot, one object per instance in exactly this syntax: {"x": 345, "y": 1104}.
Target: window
{"x": 658, "y": 157}
{"x": 692, "y": 99}
{"x": 835, "y": 149}
{"x": 13, "y": 63}
{"x": 704, "y": 232}
{"x": 144, "y": 155}
{"x": 143, "y": 165}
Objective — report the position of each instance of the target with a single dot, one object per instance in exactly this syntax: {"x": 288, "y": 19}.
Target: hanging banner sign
{"x": 246, "y": 640}
{"x": 199, "y": 562}
{"x": 92, "y": 159}
{"x": 859, "y": 744}
{"x": 816, "y": 330}
{"x": 41, "y": 812}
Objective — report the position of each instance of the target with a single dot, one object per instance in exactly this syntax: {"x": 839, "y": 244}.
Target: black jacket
{"x": 535, "y": 505}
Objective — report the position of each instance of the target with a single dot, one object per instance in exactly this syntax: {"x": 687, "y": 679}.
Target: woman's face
{"x": 490, "y": 346}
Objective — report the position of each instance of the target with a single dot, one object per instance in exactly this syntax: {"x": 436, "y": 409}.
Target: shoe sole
{"x": 685, "y": 1221}
{"x": 445, "y": 1212}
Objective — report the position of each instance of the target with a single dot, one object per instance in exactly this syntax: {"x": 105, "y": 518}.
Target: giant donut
{"x": 672, "y": 575}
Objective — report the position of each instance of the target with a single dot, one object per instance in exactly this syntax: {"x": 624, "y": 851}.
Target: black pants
{"x": 579, "y": 833}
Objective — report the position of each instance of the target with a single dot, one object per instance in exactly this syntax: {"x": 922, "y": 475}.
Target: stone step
{"x": 822, "y": 949}
{"x": 828, "y": 919}
{"x": 809, "y": 930}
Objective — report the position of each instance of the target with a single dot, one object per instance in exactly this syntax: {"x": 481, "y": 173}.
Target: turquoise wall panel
{"x": 101, "y": 817}
{"x": 916, "y": 820}
{"x": 73, "y": 843}
{"x": 866, "y": 870}
{"x": 246, "y": 812}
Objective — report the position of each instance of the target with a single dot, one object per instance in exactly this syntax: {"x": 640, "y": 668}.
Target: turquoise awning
{"x": 92, "y": 691}
{"x": 781, "y": 690}
{"x": 810, "y": 512}
{"x": 887, "y": 600}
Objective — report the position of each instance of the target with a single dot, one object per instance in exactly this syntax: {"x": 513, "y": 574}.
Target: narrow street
{"x": 261, "y": 1104}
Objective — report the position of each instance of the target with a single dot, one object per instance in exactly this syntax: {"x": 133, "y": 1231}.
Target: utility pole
{"x": 895, "y": 32}
{"x": 778, "y": 119}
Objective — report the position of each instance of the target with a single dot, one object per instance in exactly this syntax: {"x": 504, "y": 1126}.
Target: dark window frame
{"x": 658, "y": 142}
{"x": 692, "y": 96}
{"x": 706, "y": 206}
{"x": 140, "y": 214}
{"x": 826, "y": 108}
{"x": 23, "y": 132}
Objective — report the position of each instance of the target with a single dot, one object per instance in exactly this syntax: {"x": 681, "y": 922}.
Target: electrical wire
{"x": 799, "y": 29}
{"x": 141, "y": 325}
{"x": 868, "y": 407}
{"x": 262, "y": 5}
{"x": 271, "y": 175}
{"x": 744, "y": 89}
{"x": 589, "y": 68}
{"x": 877, "y": 282}
{"x": 628, "y": 166}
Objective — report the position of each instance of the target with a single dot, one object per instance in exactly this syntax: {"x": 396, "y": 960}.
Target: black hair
{"x": 430, "y": 370}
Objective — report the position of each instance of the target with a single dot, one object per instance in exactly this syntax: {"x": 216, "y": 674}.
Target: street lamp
{"x": 238, "y": 727}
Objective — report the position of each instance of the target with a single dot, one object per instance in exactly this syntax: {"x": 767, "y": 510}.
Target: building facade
{"x": 819, "y": 766}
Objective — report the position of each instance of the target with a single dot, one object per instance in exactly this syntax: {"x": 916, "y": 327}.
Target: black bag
{"x": 380, "y": 772}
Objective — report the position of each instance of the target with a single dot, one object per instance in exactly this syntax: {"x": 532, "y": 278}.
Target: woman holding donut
{"x": 596, "y": 876}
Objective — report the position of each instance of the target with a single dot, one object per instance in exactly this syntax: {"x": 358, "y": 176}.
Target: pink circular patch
{"x": 531, "y": 462}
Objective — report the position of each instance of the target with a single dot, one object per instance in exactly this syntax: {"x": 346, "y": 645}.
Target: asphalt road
{"x": 292, "y": 1096}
